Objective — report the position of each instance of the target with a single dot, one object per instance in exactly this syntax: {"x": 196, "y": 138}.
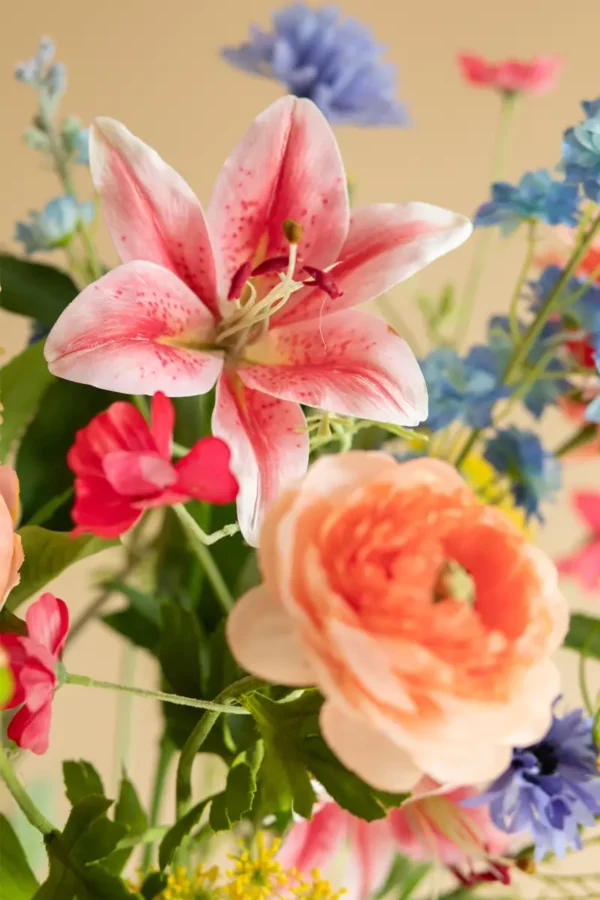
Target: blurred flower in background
{"x": 47, "y": 78}
{"x": 584, "y": 563}
{"x": 581, "y": 151}
{"x": 513, "y": 76}
{"x": 536, "y": 198}
{"x": 55, "y": 225}
{"x": 335, "y": 63}
{"x": 534, "y": 473}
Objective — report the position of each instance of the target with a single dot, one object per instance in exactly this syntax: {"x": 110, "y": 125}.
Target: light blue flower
{"x": 535, "y": 475}
{"x": 581, "y": 151}
{"x": 334, "y": 63}
{"x": 537, "y": 197}
{"x": 47, "y": 78}
{"x": 55, "y": 225}
{"x": 580, "y": 302}
{"x": 81, "y": 146}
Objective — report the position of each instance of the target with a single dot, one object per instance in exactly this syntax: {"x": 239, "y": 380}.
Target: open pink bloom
{"x": 584, "y": 563}
{"x": 513, "y": 76}
{"x": 123, "y": 466}
{"x": 257, "y": 295}
{"x": 32, "y": 661}
{"x": 11, "y": 550}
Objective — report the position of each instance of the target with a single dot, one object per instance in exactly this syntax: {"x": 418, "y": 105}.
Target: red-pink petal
{"x": 138, "y": 474}
{"x": 288, "y": 166}
{"x": 204, "y": 473}
{"x": 350, "y": 363}
{"x": 386, "y": 244}
{"x": 31, "y": 730}
{"x": 583, "y": 564}
{"x": 587, "y": 503}
{"x": 124, "y": 333}
{"x": 120, "y": 427}
{"x": 48, "y": 623}
{"x": 151, "y": 212}
{"x": 100, "y": 510}
{"x": 268, "y": 442}
{"x": 162, "y": 423}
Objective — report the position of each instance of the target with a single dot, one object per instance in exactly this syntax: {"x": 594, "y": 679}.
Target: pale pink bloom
{"x": 359, "y": 600}
{"x": 238, "y": 297}
{"x": 512, "y": 76}
{"x": 584, "y": 563}
{"x": 11, "y": 550}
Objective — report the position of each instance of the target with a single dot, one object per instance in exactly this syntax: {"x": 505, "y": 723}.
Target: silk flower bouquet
{"x": 327, "y": 543}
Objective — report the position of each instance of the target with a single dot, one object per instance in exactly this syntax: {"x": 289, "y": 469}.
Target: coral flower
{"x": 537, "y": 76}
{"x": 32, "y": 662}
{"x": 123, "y": 466}
{"x": 584, "y": 563}
{"x": 385, "y": 585}
{"x": 11, "y": 550}
{"x": 256, "y": 296}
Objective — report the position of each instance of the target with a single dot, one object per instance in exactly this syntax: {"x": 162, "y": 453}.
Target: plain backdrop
{"x": 156, "y": 66}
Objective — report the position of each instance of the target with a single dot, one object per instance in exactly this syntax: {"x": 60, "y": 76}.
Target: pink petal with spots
{"x": 268, "y": 442}
{"x": 386, "y": 244}
{"x": 162, "y": 423}
{"x": 125, "y": 333}
{"x": 151, "y": 212}
{"x": 587, "y": 504}
{"x": 353, "y": 364}
{"x": 288, "y": 166}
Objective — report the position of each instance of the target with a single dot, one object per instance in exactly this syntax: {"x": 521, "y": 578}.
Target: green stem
{"x": 22, "y": 798}
{"x": 165, "y": 757}
{"x": 507, "y": 109}
{"x": 183, "y": 784}
{"x": 513, "y": 316}
{"x": 86, "y": 681}
{"x": 585, "y": 434}
{"x": 124, "y": 712}
{"x": 199, "y": 541}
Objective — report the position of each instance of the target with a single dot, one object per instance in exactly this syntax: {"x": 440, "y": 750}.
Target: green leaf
{"x": 181, "y": 648}
{"x": 154, "y": 884}
{"x": 584, "y": 634}
{"x": 405, "y": 876}
{"x": 129, "y": 814}
{"x": 173, "y": 838}
{"x": 230, "y": 807}
{"x": 81, "y": 779}
{"x": 35, "y": 290}
{"x": 217, "y": 817}
{"x": 17, "y": 881}
{"x": 47, "y": 554}
{"x": 23, "y": 383}
{"x": 135, "y": 627}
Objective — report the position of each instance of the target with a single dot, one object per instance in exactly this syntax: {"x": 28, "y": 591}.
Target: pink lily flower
{"x": 584, "y": 563}
{"x": 256, "y": 295}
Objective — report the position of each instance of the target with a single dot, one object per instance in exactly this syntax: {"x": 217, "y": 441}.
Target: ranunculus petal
{"x": 268, "y": 442}
{"x": 264, "y": 640}
{"x": 368, "y": 752}
{"x": 9, "y": 490}
{"x": 48, "y": 623}
{"x": 386, "y": 244}
{"x": 350, "y": 364}
{"x": 151, "y": 212}
{"x": 465, "y": 762}
{"x": 31, "y": 731}
{"x": 288, "y": 166}
{"x": 125, "y": 333}
{"x": 204, "y": 472}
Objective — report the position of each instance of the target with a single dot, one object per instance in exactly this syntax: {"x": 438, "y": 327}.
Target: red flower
{"x": 512, "y": 76}
{"x": 32, "y": 662}
{"x": 123, "y": 466}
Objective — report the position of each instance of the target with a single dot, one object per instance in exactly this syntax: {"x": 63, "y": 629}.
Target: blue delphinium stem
{"x": 513, "y": 314}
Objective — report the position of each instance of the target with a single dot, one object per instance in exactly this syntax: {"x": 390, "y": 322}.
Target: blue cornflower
{"x": 55, "y": 225}
{"x": 49, "y": 80}
{"x": 581, "y": 151}
{"x": 585, "y": 309}
{"x": 537, "y": 197}
{"x": 82, "y": 147}
{"x": 461, "y": 389}
{"x": 334, "y": 63}
{"x": 534, "y": 474}
{"x": 550, "y": 788}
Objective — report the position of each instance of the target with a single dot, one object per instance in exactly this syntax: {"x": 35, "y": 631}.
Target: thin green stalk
{"x": 163, "y": 763}
{"x": 86, "y": 681}
{"x": 199, "y": 541}
{"x": 581, "y": 437}
{"x": 21, "y": 797}
{"x": 183, "y": 784}
{"x": 124, "y": 712}
{"x": 513, "y": 315}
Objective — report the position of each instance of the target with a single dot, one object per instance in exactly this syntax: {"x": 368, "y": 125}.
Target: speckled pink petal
{"x": 386, "y": 244}
{"x": 125, "y": 333}
{"x": 268, "y": 442}
{"x": 288, "y": 166}
{"x": 151, "y": 212}
{"x": 350, "y": 364}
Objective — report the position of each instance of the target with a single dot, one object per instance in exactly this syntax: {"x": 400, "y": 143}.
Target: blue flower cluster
{"x": 537, "y": 197}
{"x": 337, "y": 64}
{"x": 581, "y": 300}
{"x": 47, "y": 78}
{"x": 535, "y": 475}
{"x": 581, "y": 151}
{"x": 551, "y": 788}
{"x": 55, "y": 225}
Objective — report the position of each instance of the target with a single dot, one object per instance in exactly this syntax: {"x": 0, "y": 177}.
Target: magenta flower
{"x": 584, "y": 563}
{"x": 255, "y": 295}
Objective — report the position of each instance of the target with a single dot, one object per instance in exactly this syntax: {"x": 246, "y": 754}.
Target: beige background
{"x": 155, "y": 66}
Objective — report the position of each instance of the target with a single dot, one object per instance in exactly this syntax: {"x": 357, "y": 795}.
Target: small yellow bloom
{"x": 482, "y": 477}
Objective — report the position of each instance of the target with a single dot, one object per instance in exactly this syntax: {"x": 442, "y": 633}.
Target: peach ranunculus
{"x": 425, "y": 669}
{"x": 11, "y": 551}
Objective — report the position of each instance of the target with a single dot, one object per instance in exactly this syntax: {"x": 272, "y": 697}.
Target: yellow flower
{"x": 483, "y": 478}
{"x": 257, "y": 876}
{"x": 201, "y": 886}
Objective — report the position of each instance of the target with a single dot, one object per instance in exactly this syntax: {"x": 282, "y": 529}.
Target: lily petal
{"x": 125, "y": 332}
{"x": 386, "y": 244}
{"x": 268, "y": 442}
{"x": 351, "y": 364}
{"x": 313, "y": 843}
{"x": 288, "y": 166}
{"x": 151, "y": 212}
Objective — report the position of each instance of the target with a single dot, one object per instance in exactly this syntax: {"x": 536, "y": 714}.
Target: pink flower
{"x": 385, "y": 585}
{"x": 32, "y": 661}
{"x": 584, "y": 563}
{"x": 513, "y": 76}
{"x": 257, "y": 295}
{"x": 123, "y": 466}
{"x": 11, "y": 550}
